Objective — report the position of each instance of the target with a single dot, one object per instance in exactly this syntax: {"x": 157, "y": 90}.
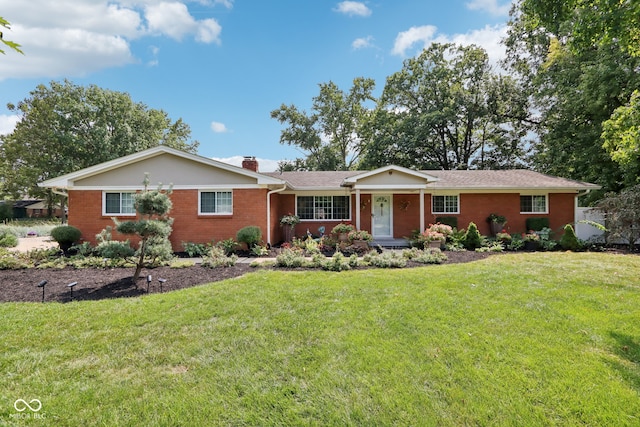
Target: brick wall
{"x": 249, "y": 208}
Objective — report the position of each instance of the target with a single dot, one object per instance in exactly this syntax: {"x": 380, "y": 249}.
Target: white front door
{"x": 381, "y": 214}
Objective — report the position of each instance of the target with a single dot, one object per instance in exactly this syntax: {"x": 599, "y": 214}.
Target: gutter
{"x": 269, "y": 211}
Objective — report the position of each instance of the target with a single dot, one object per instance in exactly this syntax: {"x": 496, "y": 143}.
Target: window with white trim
{"x": 533, "y": 204}
{"x": 323, "y": 207}
{"x": 215, "y": 203}
{"x": 444, "y": 204}
{"x": 118, "y": 203}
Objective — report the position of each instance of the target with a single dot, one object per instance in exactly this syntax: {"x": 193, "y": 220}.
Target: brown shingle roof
{"x": 504, "y": 179}
{"x": 449, "y": 179}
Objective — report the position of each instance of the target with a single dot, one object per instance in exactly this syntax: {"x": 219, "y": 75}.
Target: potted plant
{"x": 496, "y": 223}
{"x": 360, "y": 238}
{"x": 531, "y": 240}
{"x": 288, "y": 222}
{"x": 342, "y": 230}
{"x": 435, "y": 236}
{"x": 432, "y": 239}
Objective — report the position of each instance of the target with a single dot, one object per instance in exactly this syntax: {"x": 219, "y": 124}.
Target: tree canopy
{"x": 446, "y": 110}
{"x": 577, "y": 62}
{"x": 331, "y": 137}
{"x": 65, "y": 127}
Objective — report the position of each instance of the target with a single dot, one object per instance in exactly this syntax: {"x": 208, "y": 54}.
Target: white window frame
{"x": 315, "y": 219}
{"x": 120, "y": 213}
{"x": 457, "y": 196}
{"x": 546, "y": 204}
{"x": 213, "y": 213}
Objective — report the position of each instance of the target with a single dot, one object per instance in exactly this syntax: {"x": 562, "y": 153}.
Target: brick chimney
{"x": 250, "y": 162}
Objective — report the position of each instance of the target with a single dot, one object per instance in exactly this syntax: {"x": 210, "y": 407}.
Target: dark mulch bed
{"x": 96, "y": 284}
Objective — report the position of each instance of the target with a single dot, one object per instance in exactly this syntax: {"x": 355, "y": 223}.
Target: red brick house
{"x": 213, "y": 200}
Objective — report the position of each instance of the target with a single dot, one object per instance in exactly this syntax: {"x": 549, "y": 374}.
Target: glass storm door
{"x": 381, "y": 216}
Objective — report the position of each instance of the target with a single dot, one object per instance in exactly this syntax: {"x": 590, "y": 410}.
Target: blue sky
{"x": 224, "y": 65}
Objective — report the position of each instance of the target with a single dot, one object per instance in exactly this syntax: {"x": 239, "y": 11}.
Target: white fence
{"x": 587, "y": 231}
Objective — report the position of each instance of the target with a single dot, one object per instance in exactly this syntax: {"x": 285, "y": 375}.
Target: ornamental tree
{"x": 152, "y": 226}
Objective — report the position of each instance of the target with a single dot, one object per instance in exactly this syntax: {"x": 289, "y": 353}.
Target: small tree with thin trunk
{"x": 152, "y": 226}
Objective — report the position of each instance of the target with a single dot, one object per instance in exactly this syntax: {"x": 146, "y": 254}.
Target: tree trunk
{"x": 136, "y": 274}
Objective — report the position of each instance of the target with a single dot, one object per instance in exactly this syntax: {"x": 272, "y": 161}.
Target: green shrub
{"x": 425, "y": 256}
{"x": 385, "y": 259}
{"x": 516, "y": 243}
{"x": 569, "y": 240}
{"x": 217, "y": 257}
{"x": 195, "y": 249}
{"x": 259, "y": 250}
{"x": 337, "y": 262}
{"x": 251, "y": 235}
{"x": 451, "y": 221}
{"x": 13, "y": 263}
{"x": 65, "y": 234}
{"x": 228, "y": 246}
{"x": 537, "y": 224}
{"x": 114, "y": 249}
{"x": 291, "y": 258}
{"x": 84, "y": 249}
{"x": 472, "y": 238}
{"x": 8, "y": 240}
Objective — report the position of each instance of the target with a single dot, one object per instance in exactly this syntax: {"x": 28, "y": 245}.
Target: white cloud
{"x": 406, "y": 39}
{"x": 226, "y": 3}
{"x": 218, "y": 127}
{"x": 208, "y": 31}
{"x": 8, "y": 123}
{"x": 488, "y": 38}
{"x": 264, "y": 165}
{"x": 362, "y": 43}
{"x": 490, "y": 6}
{"x": 352, "y": 8}
{"x": 174, "y": 20}
{"x": 77, "y": 37}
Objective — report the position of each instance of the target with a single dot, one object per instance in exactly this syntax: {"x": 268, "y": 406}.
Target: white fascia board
{"x": 391, "y": 187}
{"x": 354, "y": 179}
{"x": 66, "y": 181}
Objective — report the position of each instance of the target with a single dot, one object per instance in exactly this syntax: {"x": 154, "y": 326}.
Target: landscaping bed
{"x": 103, "y": 283}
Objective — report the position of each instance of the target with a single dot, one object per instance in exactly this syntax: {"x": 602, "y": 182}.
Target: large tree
{"x": 621, "y": 136}
{"x": 579, "y": 60}
{"x": 331, "y": 136}
{"x": 446, "y": 109}
{"x": 65, "y": 127}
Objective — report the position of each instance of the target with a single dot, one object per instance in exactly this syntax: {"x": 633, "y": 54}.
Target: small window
{"x": 444, "y": 204}
{"x": 118, "y": 204}
{"x": 215, "y": 203}
{"x": 533, "y": 204}
{"x": 323, "y": 207}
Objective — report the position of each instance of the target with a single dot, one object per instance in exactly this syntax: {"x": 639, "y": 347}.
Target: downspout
{"x": 580, "y": 194}
{"x": 269, "y": 211}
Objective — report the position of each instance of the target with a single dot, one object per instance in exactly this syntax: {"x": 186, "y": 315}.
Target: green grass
{"x": 515, "y": 340}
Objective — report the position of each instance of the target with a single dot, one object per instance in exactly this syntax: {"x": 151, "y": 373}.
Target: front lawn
{"x": 533, "y": 339}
